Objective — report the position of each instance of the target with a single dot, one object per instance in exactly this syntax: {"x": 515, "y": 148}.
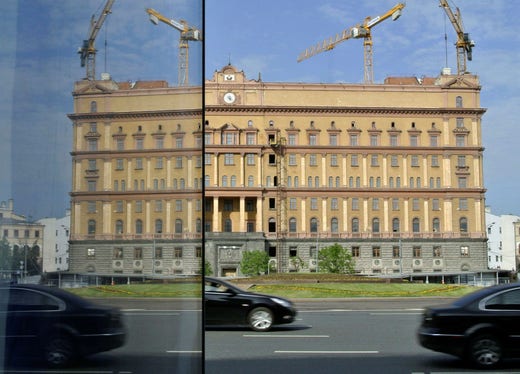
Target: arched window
{"x": 458, "y": 102}
{"x": 162, "y": 184}
{"x": 93, "y": 107}
{"x": 314, "y": 224}
{"x": 351, "y": 182}
{"x": 182, "y": 184}
{"x": 271, "y": 225}
{"x": 292, "y": 224}
{"x": 391, "y": 182}
{"x": 175, "y": 186}
{"x": 432, "y": 182}
{"x": 228, "y": 225}
{"x": 206, "y": 180}
{"x": 158, "y": 226}
{"x": 463, "y": 224}
{"x": 289, "y": 181}
{"x": 338, "y": 182}
{"x": 317, "y": 182}
{"x": 155, "y": 184}
{"x": 334, "y": 225}
{"x": 250, "y": 181}
{"x": 355, "y": 224}
{"x": 378, "y": 182}
{"x": 309, "y": 182}
{"x": 91, "y": 227}
{"x": 396, "y": 227}
{"x": 138, "y": 226}
{"x": 178, "y": 226}
{"x": 233, "y": 181}
{"x": 296, "y": 181}
{"x": 331, "y": 182}
{"x": 416, "y": 227}
{"x": 375, "y": 225}
{"x": 119, "y": 226}
{"x": 411, "y": 182}
{"x": 436, "y": 225}
{"x": 198, "y": 225}
{"x": 418, "y": 185}
{"x": 371, "y": 182}
{"x": 358, "y": 182}
{"x": 224, "y": 180}
{"x": 398, "y": 182}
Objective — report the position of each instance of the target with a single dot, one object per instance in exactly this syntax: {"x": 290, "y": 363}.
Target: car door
{"x": 224, "y": 305}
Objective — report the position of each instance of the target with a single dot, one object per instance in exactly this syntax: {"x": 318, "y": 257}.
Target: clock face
{"x": 229, "y": 77}
{"x": 229, "y": 97}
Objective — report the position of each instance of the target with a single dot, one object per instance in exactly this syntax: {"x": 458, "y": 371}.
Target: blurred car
{"x": 226, "y": 304}
{"x": 482, "y": 327}
{"x": 56, "y": 325}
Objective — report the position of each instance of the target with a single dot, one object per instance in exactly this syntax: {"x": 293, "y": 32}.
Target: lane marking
{"x": 396, "y": 314}
{"x": 328, "y": 352}
{"x": 284, "y": 336}
{"x": 360, "y": 310}
{"x": 185, "y": 352}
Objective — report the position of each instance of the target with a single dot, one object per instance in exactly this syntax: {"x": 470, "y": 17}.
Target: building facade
{"x": 502, "y": 232}
{"x": 391, "y": 171}
{"x": 136, "y": 200}
{"x": 55, "y": 250}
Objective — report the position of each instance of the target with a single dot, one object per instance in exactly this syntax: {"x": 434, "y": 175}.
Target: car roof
{"x": 55, "y": 291}
{"x": 483, "y": 292}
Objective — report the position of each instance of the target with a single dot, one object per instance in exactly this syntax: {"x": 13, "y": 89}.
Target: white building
{"x": 501, "y": 241}
{"x": 55, "y": 252}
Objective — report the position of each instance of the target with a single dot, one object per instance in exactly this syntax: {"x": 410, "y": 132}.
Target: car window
{"x": 509, "y": 300}
{"x": 215, "y": 287}
{"x": 28, "y": 300}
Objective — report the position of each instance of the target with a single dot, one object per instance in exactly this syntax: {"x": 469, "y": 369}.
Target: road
{"x": 341, "y": 336}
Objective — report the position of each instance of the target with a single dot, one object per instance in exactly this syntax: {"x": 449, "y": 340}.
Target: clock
{"x": 229, "y": 77}
{"x": 229, "y": 98}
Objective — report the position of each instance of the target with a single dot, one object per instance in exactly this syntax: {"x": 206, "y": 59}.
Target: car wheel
{"x": 260, "y": 319}
{"x": 485, "y": 351}
{"x": 59, "y": 350}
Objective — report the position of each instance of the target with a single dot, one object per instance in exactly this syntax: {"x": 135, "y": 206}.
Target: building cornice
{"x": 156, "y": 114}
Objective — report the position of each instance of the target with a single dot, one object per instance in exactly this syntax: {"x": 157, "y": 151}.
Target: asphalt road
{"x": 340, "y": 336}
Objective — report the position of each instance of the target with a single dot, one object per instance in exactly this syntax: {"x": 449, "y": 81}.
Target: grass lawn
{"x": 292, "y": 289}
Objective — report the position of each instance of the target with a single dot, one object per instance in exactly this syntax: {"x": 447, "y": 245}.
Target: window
{"x": 460, "y": 122}
{"x": 291, "y": 139}
{"x": 334, "y": 203}
{"x": 353, "y": 140}
{"x": 458, "y": 102}
{"x": 333, "y": 139}
{"x": 435, "y": 161}
{"x": 91, "y": 252}
{"x": 415, "y": 204}
{"x": 178, "y": 226}
{"x": 178, "y": 162}
{"x": 460, "y": 140}
{"x": 292, "y": 160}
{"x": 91, "y": 207}
{"x": 314, "y": 203}
{"x": 138, "y": 227}
{"x": 464, "y": 251}
{"x": 462, "y": 182}
{"x": 416, "y": 225}
{"x": 91, "y": 227}
{"x": 461, "y": 161}
{"x": 436, "y": 225}
{"x": 396, "y": 251}
{"x": 376, "y": 251}
{"x": 207, "y": 159}
{"x": 374, "y": 160}
{"x": 463, "y": 224}
{"x": 417, "y": 252}
{"x": 159, "y": 163}
{"x": 91, "y": 186}
{"x": 313, "y": 160}
{"x": 250, "y": 157}
{"x": 434, "y": 141}
{"x": 374, "y": 140}
{"x": 395, "y": 204}
{"x": 355, "y": 224}
{"x": 435, "y": 204}
{"x": 119, "y": 206}
{"x": 138, "y": 163}
{"x": 120, "y": 144}
{"x": 375, "y": 225}
{"x": 437, "y": 251}
{"x": 334, "y": 225}
{"x": 334, "y": 160}
{"x": 375, "y": 203}
{"x": 119, "y": 164}
{"x": 92, "y": 144}
{"x": 355, "y": 203}
{"x": 292, "y": 224}
{"x": 229, "y": 159}
{"x": 463, "y": 204}
{"x": 395, "y": 225}
{"x": 354, "y": 160}
{"x": 314, "y": 224}
{"x": 158, "y": 226}
{"x": 312, "y": 139}
{"x": 250, "y": 138}
{"x": 119, "y": 227}
{"x": 415, "y": 161}
{"x": 393, "y": 140}
{"x": 292, "y": 203}
{"x": 139, "y": 206}
{"x": 159, "y": 143}
{"x": 139, "y": 143}
{"x": 355, "y": 251}
{"x": 394, "y": 162}
{"x": 414, "y": 140}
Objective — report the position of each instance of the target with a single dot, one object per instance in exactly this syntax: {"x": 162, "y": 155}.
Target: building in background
{"x": 25, "y": 238}
{"x": 55, "y": 250}
{"x": 503, "y": 241}
{"x": 392, "y": 171}
{"x": 137, "y": 179}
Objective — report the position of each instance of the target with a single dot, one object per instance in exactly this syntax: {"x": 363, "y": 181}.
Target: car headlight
{"x": 282, "y": 302}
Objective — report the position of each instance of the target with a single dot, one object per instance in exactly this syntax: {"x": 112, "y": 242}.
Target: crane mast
{"x": 187, "y": 34}
{"x": 464, "y": 44}
{"x": 356, "y": 32}
{"x": 87, "y": 51}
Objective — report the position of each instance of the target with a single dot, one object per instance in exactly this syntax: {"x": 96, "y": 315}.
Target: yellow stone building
{"x": 391, "y": 171}
{"x": 137, "y": 188}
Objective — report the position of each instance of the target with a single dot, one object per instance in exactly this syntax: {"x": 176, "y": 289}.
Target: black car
{"x": 226, "y": 304}
{"x": 482, "y": 327}
{"x": 56, "y": 325}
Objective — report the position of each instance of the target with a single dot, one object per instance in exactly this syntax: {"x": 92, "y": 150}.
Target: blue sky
{"x": 39, "y": 64}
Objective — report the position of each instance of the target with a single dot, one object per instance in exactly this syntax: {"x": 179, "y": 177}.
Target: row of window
{"x": 16, "y": 233}
{"x": 137, "y": 253}
{"x": 138, "y": 226}
{"x": 334, "y": 204}
{"x": 417, "y": 251}
{"x": 158, "y": 206}
{"x": 312, "y": 160}
{"x": 157, "y": 184}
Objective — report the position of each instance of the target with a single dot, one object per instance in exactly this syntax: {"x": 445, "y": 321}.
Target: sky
{"x": 39, "y": 65}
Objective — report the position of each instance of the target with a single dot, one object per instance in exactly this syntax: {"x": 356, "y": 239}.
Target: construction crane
{"x": 187, "y": 34}
{"x": 464, "y": 44}
{"x": 87, "y": 51}
{"x": 356, "y": 32}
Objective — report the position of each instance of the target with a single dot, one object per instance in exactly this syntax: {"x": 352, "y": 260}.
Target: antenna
{"x": 445, "y": 41}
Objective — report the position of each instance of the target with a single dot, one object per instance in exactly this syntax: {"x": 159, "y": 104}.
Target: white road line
{"x": 359, "y": 310}
{"x": 185, "y": 352}
{"x": 283, "y": 336}
{"x": 396, "y": 314}
{"x": 328, "y": 352}
{"x": 152, "y": 314}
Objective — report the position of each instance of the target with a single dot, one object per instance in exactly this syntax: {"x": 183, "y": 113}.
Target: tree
{"x": 335, "y": 259}
{"x": 254, "y": 262}
{"x": 207, "y": 268}
{"x": 5, "y": 255}
{"x": 297, "y": 263}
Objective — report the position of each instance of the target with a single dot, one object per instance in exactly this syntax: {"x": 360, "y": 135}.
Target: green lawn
{"x": 289, "y": 290}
